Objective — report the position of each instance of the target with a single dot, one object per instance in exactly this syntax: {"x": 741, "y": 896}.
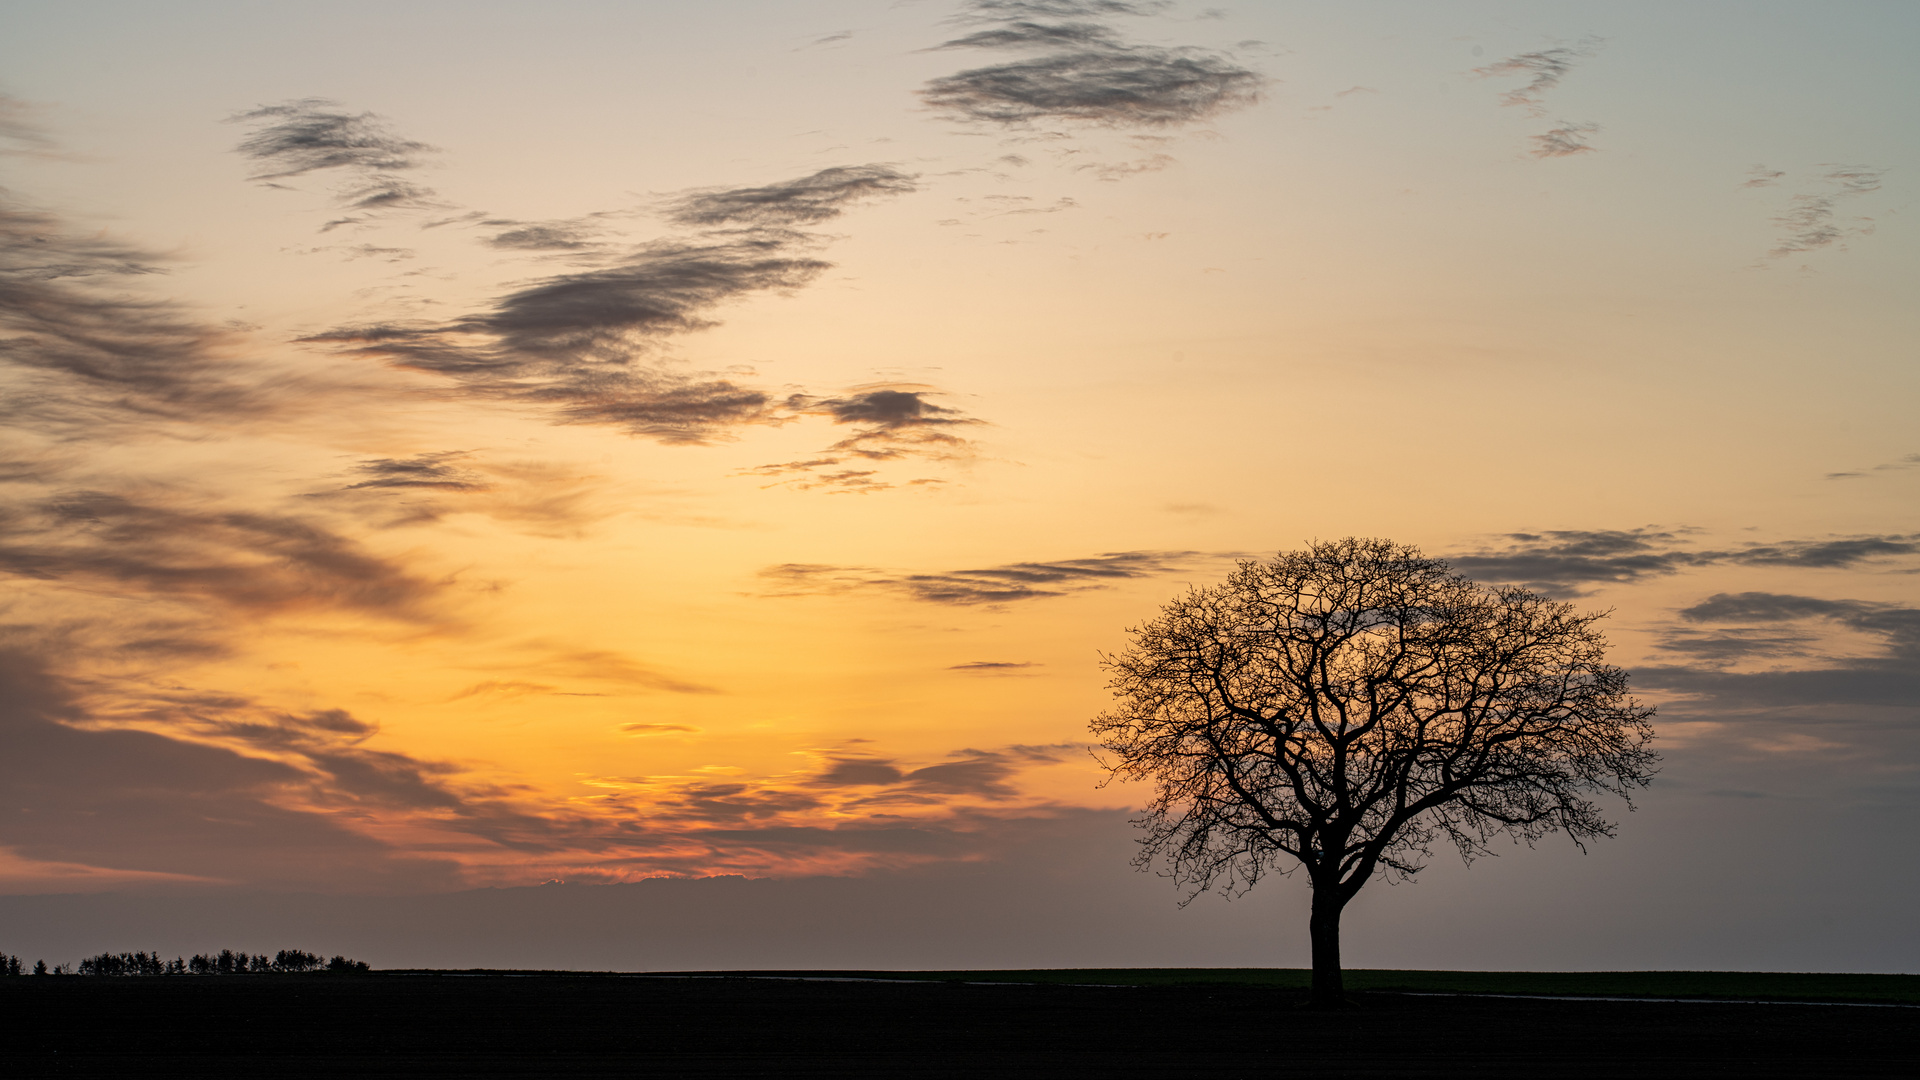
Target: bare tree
{"x": 1341, "y": 708}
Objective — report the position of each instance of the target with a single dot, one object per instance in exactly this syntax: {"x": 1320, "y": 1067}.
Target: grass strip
{"x": 1741, "y": 985}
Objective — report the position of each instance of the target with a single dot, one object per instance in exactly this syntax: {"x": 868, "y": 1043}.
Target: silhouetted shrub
{"x": 296, "y": 960}
{"x": 226, "y": 962}
{"x": 139, "y": 963}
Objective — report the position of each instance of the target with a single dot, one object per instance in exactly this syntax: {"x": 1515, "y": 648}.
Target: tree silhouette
{"x": 1339, "y": 709}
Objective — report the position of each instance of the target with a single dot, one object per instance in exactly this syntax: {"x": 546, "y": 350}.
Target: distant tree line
{"x": 226, "y": 962}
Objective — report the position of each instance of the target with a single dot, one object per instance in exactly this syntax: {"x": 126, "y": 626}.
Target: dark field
{"x": 557, "y": 1025}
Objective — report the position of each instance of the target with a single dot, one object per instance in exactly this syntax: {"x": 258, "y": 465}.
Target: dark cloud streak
{"x": 1566, "y": 560}
{"x": 86, "y": 351}
{"x": 307, "y": 136}
{"x": 987, "y": 586}
{"x": 809, "y": 200}
{"x": 1086, "y": 73}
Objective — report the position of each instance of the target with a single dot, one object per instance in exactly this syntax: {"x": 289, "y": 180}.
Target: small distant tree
{"x": 39, "y": 967}
{"x": 344, "y": 966}
{"x": 1339, "y": 709}
{"x": 295, "y": 960}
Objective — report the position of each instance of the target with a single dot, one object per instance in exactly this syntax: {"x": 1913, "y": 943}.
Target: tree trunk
{"x": 1329, "y": 989}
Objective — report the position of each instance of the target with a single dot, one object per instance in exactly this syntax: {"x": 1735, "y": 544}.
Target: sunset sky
{"x": 462, "y": 445}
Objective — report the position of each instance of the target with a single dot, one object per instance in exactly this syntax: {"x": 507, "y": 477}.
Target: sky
{"x": 538, "y": 448}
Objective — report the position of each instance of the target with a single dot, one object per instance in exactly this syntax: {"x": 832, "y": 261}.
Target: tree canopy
{"x": 1341, "y": 708}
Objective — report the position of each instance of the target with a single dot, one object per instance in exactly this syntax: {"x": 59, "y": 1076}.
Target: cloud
{"x": 1116, "y": 86}
{"x": 1562, "y": 561}
{"x": 1032, "y": 35}
{"x": 218, "y": 788}
{"x": 576, "y": 235}
{"x": 1111, "y": 172}
{"x": 892, "y": 420}
{"x": 20, "y": 136}
{"x": 299, "y": 138}
{"x": 987, "y": 10}
{"x": 1826, "y": 554}
{"x": 1898, "y": 625}
{"x": 84, "y": 351}
{"x": 1557, "y": 560}
{"x": 994, "y": 667}
{"x": 1085, "y": 72}
{"x": 809, "y": 200}
{"x": 1563, "y": 141}
{"x": 1737, "y": 645}
{"x": 139, "y": 801}
{"x": 572, "y": 343}
{"x": 1761, "y": 176}
{"x": 249, "y": 561}
{"x": 1810, "y": 221}
{"x": 829, "y": 39}
{"x": 584, "y": 345}
{"x": 1543, "y": 71}
{"x": 983, "y": 773}
{"x": 1890, "y": 678}
{"x": 435, "y": 471}
{"x": 1898, "y": 465}
{"x": 989, "y": 586}
{"x": 601, "y": 666}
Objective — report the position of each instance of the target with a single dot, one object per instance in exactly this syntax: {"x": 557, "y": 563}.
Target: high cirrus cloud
{"x": 1085, "y": 72}
{"x": 88, "y": 347}
{"x": 1543, "y": 71}
{"x": 1566, "y": 561}
{"x": 1741, "y": 657}
{"x": 584, "y": 344}
{"x": 575, "y": 344}
{"x": 807, "y": 200}
{"x": 300, "y": 138}
{"x": 1006, "y": 583}
{"x": 248, "y": 560}
{"x": 1812, "y": 221}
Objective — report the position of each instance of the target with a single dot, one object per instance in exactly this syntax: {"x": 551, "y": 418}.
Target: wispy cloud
{"x": 1910, "y": 461}
{"x": 300, "y": 138}
{"x": 808, "y": 200}
{"x": 1058, "y": 9}
{"x": 575, "y": 343}
{"x": 891, "y": 421}
{"x": 1130, "y": 86}
{"x": 1811, "y": 220}
{"x": 586, "y": 345}
{"x": 144, "y": 801}
{"x": 1890, "y": 677}
{"x": 995, "y": 667}
{"x": 258, "y": 562}
{"x": 20, "y": 134}
{"x": 437, "y": 471}
{"x": 1564, "y": 140}
{"x": 1085, "y": 73}
{"x": 1543, "y": 70}
{"x": 88, "y": 349}
{"x": 575, "y": 235}
{"x": 991, "y": 585}
{"x": 1568, "y": 560}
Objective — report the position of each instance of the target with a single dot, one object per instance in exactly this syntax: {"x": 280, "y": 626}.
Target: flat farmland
{"x": 549, "y": 1024}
